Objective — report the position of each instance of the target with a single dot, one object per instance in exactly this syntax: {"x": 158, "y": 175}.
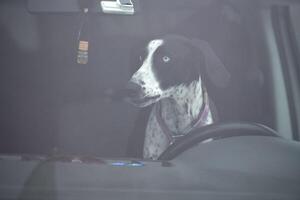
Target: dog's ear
{"x": 215, "y": 70}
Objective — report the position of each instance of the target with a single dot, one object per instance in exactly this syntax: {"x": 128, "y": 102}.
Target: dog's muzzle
{"x": 135, "y": 95}
{"x": 134, "y": 90}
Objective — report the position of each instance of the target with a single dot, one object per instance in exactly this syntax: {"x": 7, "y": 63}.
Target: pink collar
{"x": 199, "y": 122}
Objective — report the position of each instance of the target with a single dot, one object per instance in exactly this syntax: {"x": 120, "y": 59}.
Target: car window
{"x": 294, "y": 10}
{"x": 66, "y": 70}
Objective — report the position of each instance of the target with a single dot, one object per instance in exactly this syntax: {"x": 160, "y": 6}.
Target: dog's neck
{"x": 183, "y": 107}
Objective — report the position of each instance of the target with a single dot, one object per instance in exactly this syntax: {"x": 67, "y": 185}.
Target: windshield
{"x": 78, "y": 80}
{"x": 140, "y": 99}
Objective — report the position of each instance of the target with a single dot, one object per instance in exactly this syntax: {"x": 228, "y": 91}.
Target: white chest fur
{"x": 179, "y": 115}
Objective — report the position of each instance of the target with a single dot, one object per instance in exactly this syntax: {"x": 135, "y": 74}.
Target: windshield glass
{"x": 78, "y": 80}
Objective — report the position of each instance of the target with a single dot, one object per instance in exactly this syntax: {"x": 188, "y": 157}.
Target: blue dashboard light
{"x": 118, "y": 164}
{"x": 136, "y": 164}
{"x": 127, "y": 164}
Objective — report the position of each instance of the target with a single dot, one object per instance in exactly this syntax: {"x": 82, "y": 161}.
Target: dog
{"x": 172, "y": 76}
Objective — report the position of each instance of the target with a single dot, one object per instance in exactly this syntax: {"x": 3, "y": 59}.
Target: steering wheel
{"x": 215, "y": 132}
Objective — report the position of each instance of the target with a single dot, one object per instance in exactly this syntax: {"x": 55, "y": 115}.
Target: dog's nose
{"x": 133, "y": 89}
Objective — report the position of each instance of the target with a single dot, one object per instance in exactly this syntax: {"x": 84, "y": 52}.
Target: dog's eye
{"x": 166, "y": 59}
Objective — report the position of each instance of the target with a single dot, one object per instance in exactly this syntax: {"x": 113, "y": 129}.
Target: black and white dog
{"x": 172, "y": 76}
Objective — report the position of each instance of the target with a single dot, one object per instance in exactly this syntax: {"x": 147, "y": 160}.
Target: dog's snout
{"x": 133, "y": 89}
{"x": 133, "y": 86}
{"x": 142, "y": 82}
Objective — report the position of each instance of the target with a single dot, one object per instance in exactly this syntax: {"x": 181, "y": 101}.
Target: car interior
{"x": 48, "y": 97}
{"x": 67, "y": 132}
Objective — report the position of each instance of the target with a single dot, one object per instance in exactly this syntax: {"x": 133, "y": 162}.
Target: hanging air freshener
{"x": 82, "y": 55}
{"x": 83, "y": 42}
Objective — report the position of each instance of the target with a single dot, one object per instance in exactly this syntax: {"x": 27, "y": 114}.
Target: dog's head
{"x": 170, "y": 64}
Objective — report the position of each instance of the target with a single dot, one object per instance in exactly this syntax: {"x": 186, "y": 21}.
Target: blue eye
{"x": 166, "y": 59}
